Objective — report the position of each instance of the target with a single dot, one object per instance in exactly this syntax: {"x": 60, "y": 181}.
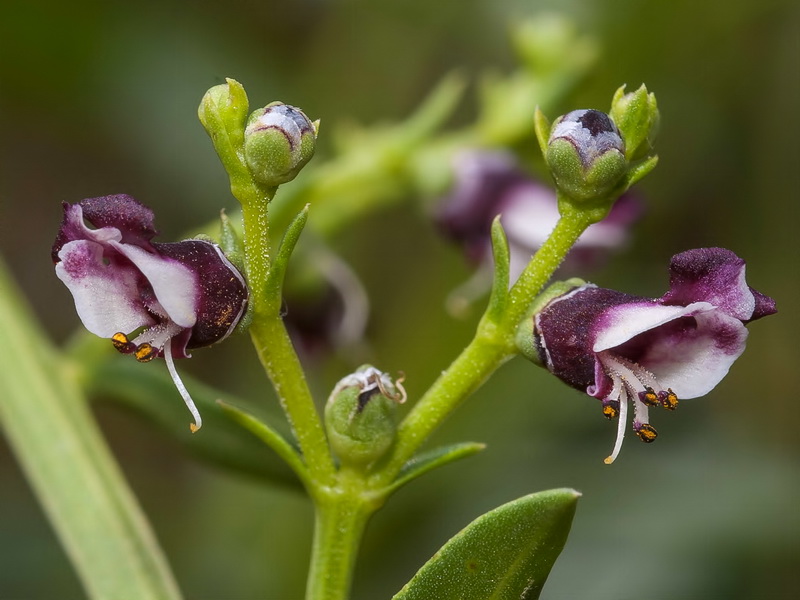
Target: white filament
{"x": 621, "y": 425}
{"x": 198, "y": 422}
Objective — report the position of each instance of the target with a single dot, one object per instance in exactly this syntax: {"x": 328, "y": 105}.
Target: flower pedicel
{"x": 151, "y": 299}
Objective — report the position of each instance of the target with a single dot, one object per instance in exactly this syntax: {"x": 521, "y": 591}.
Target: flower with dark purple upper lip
{"x": 490, "y": 183}
{"x": 151, "y": 299}
{"x": 625, "y": 349}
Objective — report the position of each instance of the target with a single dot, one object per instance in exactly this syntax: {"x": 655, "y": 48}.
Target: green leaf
{"x": 427, "y": 461}
{"x": 271, "y": 438}
{"x": 69, "y": 466}
{"x": 500, "y": 253}
{"x": 291, "y": 237}
{"x": 148, "y": 391}
{"x": 506, "y": 553}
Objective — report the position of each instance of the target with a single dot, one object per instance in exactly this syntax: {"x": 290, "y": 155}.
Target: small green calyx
{"x": 636, "y": 114}
{"x": 525, "y": 338}
{"x": 278, "y": 142}
{"x": 360, "y": 416}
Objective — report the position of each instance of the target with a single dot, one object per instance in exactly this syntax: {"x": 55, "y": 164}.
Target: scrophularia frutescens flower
{"x": 625, "y": 349}
{"x": 151, "y": 299}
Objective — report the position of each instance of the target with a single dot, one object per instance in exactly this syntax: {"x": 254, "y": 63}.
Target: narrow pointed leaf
{"x": 506, "y": 553}
{"x": 69, "y": 466}
{"x": 427, "y": 461}
{"x": 149, "y": 392}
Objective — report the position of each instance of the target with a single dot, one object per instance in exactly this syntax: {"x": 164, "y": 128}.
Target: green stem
{"x": 492, "y": 345}
{"x": 283, "y": 367}
{"x": 271, "y": 340}
{"x": 257, "y": 244}
{"x": 341, "y": 516}
{"x": 70, "y": 467}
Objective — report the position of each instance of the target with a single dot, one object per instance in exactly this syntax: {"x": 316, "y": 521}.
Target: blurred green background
{"x": 100, "y": 97}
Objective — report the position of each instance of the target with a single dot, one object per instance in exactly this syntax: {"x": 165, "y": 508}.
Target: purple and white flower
{"x": 625, "y": 349}
{"x": 491, "y": 183}
{"x": 151, "y": 299}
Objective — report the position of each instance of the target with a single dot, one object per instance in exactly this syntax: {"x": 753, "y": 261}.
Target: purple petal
{"x": 106, "y": 295}
{"x": 117, "y": 217}
{"x": 566, "y": 333}
{"x": 222, "y": 296}
{"x": 714, "y": 275}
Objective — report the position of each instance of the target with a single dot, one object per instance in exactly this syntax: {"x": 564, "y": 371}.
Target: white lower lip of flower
{"x": 630, "y": 381}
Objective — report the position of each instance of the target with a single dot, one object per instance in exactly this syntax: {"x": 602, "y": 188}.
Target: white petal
{"x": 693, "y": 363}
{"x": 106, "y": 296}
{"x": 174, "y": 285}
{"x": 620, "y": 323}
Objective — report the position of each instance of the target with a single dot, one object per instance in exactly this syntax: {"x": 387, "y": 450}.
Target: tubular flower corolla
{"x": 624, "y": 349}
{"x": 150, "y": 299}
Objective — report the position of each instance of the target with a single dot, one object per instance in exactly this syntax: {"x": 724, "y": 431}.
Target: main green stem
{"x": 271, "y": 339}
{"x": 492, "y": 345}
{"x": 342, "y": 513}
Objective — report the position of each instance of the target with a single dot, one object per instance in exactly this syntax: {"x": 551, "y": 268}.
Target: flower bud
{"x": 636, "y": 114}
{"x": 360, "y": 416}
{"x": 278, "y": 141}
{"x": 586, "y": 154}
{"x": 224, "y": 109}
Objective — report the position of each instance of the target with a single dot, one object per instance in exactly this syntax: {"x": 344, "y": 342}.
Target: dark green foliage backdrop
{"x": 100, "y": 97}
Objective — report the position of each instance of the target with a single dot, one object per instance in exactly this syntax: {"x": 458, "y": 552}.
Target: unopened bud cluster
{"x": 275, "y": 142}
{"x": 593, "y": 156}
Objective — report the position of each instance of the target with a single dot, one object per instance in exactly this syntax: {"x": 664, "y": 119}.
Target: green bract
{"x": 636, "y": 114}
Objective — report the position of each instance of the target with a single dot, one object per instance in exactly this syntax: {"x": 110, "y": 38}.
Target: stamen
{"x": 646, "y": 432}
{"x": 198, "y": 422}
{"x": 623, "y": 418}
{"x": 122, "y": 343}
{"x": 611, "y": 406}
{"x": 649, "y": 396}
{"x": 668, "y": 399}
{"x": 145, "y": 352}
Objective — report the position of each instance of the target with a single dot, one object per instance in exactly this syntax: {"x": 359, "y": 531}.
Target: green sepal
{"x": 541, "y": 125}
{"x": 272, "y": 438}
{"x": 230, "y": 241}
{"x": 506, "y": 553}
{"x": 639, "y": 170}
{"x": 432, "y": 459}
{"x": 582, "y": 185}
{"x": 524, "y": 338}
{"x": 636, "y": 114}
{"x": 499, "y": 295}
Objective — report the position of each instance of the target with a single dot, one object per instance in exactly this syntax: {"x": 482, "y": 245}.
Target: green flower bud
{"x": 360, "y": 416}
{"x": 525, "y": 338}
{"x": 223, "y": 110}
{"x": 636, "y": 114}
{"x": 278, "y": 141}
{"x": 586, "y": 155}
